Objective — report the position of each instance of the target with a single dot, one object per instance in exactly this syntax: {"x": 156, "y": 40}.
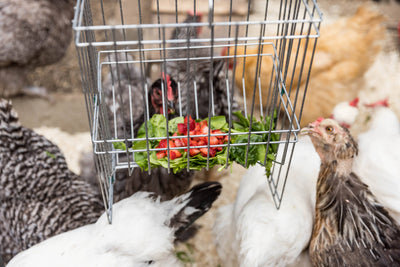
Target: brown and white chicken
{"x": 351, "y": 227}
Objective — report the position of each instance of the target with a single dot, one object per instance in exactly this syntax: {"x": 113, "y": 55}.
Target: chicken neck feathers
{"x": 351, "y": 227}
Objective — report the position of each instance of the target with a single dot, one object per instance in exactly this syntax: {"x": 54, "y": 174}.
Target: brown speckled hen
{"x": 351, "y": 227}
{"x": 39, "y": 196}
{"x": 33, "y": 33}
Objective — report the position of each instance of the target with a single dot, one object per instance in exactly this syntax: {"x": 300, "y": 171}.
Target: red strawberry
{"x": 182, "y": 128}
{"x": 184, "y": 141}
{"x": 218, "y": 132}
{"x": 178, "y": 142}
{"x": 162, "y": 144}
{"x": 214, "y": 140}
{"x": 201, "y": 142}
{"x": 171, "y": 143}
{"x": 203, "y": 123}
{"x": 173, "y": 154}
{"x": 204, "y": 129}
{"x": 160, "y": 154}
{"x": 186, "y": 118}
{"x": 194, "y": 151}
{"x": 193, "y": 143}
{"x": 192, "y": 125}
{"x": 204, "y": 151}
{"x": 197, "y": 127}
{"x": 213, "y": 151}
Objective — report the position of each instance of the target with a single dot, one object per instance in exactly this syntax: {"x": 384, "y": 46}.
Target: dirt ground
{"x": 67, "y": 111}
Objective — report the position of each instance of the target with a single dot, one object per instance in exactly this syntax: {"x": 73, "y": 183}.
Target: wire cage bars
{"x": 248, "y": 56}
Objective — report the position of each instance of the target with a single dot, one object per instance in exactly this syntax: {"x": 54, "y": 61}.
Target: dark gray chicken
{"x": 39, "y": 196}
{"x": 351, "y": 227}
{"x": 198, "y": 69}
{"x": 33, "y": 33}
{"x": 122, "y": 89}
{"x": 167, "y": 185}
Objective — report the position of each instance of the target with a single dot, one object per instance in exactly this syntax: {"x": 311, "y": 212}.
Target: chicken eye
{"x": 329, "y": 129}
{"x": 149, "y": 262}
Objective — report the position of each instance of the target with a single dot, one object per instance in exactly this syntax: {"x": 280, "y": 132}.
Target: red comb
{"x": 354, "y": 103}
{"x": 170, "y": 94}
{"x": 317, "y": 122}
{"x": 198, "y": 13}
{"x": 380, "y": 103}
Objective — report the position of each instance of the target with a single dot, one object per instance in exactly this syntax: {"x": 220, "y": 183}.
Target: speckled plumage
{"x": 39, "y": 196}
{"x": 33, "y": 33}
{"x": 115, "y": 88}
{"x": 351, "y": 227}
{"x": 199, "y": 70}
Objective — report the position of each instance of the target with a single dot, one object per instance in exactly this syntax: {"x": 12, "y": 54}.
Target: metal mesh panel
{"x": 273, "y": 52}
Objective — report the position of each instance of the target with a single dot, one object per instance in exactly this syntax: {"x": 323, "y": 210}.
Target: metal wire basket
{"x": 267, "y": 45}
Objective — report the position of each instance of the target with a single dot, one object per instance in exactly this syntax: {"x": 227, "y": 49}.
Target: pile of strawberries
{"x": 195, "y": 128}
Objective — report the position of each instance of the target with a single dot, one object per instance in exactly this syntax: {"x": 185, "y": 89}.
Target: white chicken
{"x": 377, "y": 161}
{"x": 142, "y": 233}
{"x": 346, "y": 112}
{"x": 252, "y": 232}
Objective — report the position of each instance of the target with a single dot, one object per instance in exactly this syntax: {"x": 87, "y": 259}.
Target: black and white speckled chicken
{"x": 351, "y": 227}
{"x": 128, "y": 76}
{"x": 39, "y": 196}
{"x": 33, "y": 33}
{"x": 198, "y": 69}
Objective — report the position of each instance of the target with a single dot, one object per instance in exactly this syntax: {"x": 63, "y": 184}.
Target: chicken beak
{"x": 305, "y": 130}
{"x": 171, "y": 107}
{"x": 312, "y": 127}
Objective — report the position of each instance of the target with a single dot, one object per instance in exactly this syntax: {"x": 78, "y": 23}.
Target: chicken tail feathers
{"x": 7, "y": 113}
{"x": 195, "y": 203}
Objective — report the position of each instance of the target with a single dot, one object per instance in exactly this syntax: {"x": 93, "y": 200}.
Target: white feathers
{"x": 377, "y": 163}
{"x": 344, "y": 113}
{"x": 138, "y": 236}
{"x": 379, "y": 150}
{"x": 252, "y": 232}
